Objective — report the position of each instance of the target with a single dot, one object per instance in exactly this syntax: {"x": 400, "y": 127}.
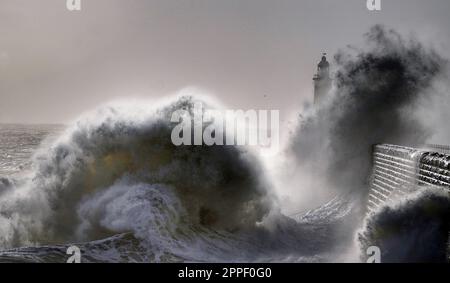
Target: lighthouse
{"x": 322, "y": 80}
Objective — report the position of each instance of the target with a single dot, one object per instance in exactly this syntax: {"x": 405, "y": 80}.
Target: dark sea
{"x": 18, "y": 142}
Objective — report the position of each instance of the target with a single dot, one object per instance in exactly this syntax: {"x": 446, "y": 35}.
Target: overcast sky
{"x": 55, "y": 64}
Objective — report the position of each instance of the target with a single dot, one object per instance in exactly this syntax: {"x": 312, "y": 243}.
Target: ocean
{"x": 114, "y": 186}
{"x": 18, "y": 142}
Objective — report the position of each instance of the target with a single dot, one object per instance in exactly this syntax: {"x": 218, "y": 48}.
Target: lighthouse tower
{"x": 322, "y": 80}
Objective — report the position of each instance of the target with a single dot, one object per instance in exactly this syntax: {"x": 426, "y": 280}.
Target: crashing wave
{"x": 114, "y": 165}
{"x": 413, "y": 229}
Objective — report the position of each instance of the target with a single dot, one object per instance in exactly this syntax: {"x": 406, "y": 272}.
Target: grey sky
{"x": 55, "y": 64}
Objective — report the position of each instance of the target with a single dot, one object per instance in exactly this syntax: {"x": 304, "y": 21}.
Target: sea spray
{"x": 374, "y": 100}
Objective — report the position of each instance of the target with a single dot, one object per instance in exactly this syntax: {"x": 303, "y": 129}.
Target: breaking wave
{"x": 415, "y": 229}
{"x": 115, "y": 184}
{"x": 117, "y": 170}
